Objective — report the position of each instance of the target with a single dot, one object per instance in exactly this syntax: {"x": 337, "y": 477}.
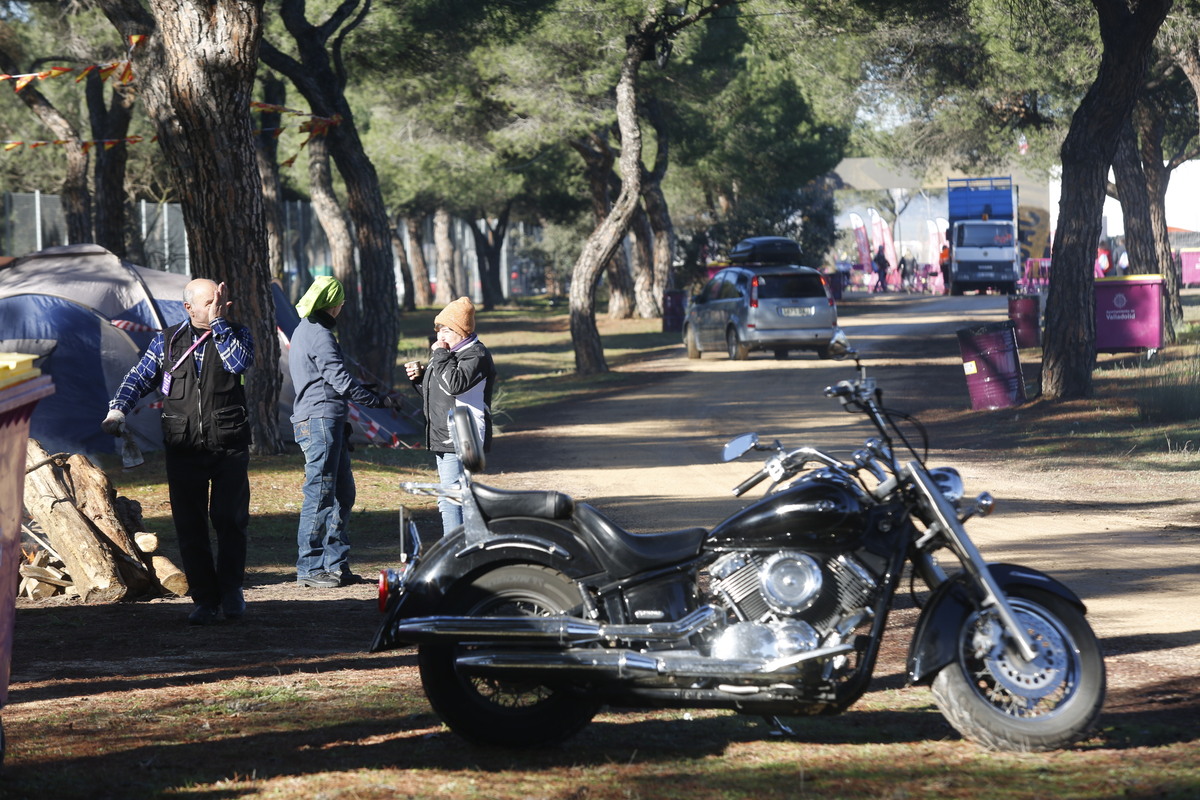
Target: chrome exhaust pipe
{"x": 559, "y": 630}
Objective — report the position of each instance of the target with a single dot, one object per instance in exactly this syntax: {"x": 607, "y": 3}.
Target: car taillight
{"x": 754, "y": 292}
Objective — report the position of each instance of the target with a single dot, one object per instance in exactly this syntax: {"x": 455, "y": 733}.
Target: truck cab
{"x": 984, "y": 251}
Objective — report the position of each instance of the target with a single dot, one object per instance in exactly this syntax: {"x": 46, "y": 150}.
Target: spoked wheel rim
{"x": 1037, "y": 689}
{"x": 508, "y": 694}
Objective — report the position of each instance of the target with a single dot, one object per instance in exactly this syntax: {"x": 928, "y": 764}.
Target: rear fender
{"x": 934, "y": 641}
{"x": 453, "y": 562}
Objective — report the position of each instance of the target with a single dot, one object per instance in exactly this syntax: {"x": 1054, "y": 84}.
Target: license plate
{"x": 986, "y": 268}
{"x": 797, "y": 311}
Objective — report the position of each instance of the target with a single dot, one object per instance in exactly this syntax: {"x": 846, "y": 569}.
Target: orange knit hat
{"x": 458, "y": 316}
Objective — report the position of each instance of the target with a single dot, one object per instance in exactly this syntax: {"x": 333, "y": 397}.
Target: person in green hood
{"x": 324, "y": 390}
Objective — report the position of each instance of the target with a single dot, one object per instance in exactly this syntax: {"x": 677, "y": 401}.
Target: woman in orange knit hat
{"x": 460, "y": 373}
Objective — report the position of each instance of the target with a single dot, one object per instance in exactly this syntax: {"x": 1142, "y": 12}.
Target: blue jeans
{"x": 449, "y": 469}
{"x": 322, "y": 541}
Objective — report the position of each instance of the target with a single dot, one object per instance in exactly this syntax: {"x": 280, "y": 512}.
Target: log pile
{"x": 91, "y": 540}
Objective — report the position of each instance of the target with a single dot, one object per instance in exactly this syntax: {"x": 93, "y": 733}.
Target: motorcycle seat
{"x": 495, "y": 503}
{"x": 623, "y": 553}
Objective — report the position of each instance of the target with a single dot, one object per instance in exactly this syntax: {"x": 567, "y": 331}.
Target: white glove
{"x": 114, "y": 423}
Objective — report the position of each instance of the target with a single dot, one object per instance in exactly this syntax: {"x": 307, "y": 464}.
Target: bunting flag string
{"x": 122, "y": 69}
{"x": 313, "y": 126}
{"x": 107, "y": 144}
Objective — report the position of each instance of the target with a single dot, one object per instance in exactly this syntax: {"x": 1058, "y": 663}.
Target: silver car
{"x": 761, "y": 307}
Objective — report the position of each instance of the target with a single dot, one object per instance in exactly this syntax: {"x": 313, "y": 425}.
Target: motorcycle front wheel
{"x": 508, "y": 713}
{"x": 994, "y": 697}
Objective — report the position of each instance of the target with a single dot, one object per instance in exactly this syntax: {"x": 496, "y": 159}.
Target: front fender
{"x": 935, "y": 642}
{"x": 451, "y": 561}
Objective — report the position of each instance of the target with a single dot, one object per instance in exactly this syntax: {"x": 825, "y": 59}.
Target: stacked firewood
{"x": 88, "y": 541}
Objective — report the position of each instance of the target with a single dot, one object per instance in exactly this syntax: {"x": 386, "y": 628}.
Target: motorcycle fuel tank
{"x": 814, "y": 513}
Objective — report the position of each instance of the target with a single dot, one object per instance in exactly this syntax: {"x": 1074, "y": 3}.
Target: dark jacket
{"x": 206, "y": 414}
{"x": 462, "y": 377}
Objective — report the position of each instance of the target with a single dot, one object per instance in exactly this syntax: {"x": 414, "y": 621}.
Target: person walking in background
{"x": 199, "y": 365}
{"x": 460, "y": 373}
{"x": 320, "y": 424}
{"x": 881, "y": 270}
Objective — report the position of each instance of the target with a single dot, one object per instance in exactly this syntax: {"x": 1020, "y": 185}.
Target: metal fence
{"x": 34, "y": 221}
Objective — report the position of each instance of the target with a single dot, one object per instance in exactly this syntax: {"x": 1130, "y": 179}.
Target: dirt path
{"x": 1127, "y": 542}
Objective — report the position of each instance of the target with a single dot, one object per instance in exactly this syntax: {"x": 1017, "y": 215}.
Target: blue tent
{"x": 88, "y": 315}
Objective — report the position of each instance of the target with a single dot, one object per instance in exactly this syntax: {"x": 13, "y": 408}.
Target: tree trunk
{"x": 108, "y": 175}
{"x": 406, "y": 279}
{"x": 195, "y": 72}
{"x": 341, "y": 244}
{"x": 443, "y": 244}
{"x": 642, "y": 266}
{"x": 267, "y": 153}
{"x": 489, "y": 244}
{"x": 319, "y": 75}
{"x": 655, "y": 204}
{"x": 420, "y": 270}
{"x": 602, "y": 244}
{"x": 76, "y": 199}
{"x": 1135, "y": 203}
{"x": 1069, "y": 350}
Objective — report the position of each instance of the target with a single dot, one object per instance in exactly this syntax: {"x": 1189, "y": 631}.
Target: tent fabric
{"x": 88, "y": 315}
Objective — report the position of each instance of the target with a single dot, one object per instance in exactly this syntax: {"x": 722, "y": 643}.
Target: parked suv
{"x": 761, "y": 304}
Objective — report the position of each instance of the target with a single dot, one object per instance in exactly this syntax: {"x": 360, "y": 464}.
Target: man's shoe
{"x": 233, "y": 603}
{"x": 204, "y": 615}
{"x": 348, "y": 578}
{"x": 319, "y": 580}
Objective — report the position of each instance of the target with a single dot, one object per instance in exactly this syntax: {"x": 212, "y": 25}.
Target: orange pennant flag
{"x": 87, "y": 146}
{"x": 83, "y": 73}
{"x": 54, "y": 72}
{"x": 12, "y": 145}
{"x": 23, "y": 81}
{"x": 136, "y": 39}
{"x": 127, "y": 73}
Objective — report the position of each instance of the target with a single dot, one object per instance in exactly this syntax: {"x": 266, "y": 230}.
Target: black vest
{"x": 206, "y": 414}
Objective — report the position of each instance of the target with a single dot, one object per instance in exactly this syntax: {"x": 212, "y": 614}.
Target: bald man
{"x": 197, "y": 366}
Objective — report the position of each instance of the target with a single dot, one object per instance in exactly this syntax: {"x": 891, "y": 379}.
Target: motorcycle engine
{"x": 789, "y": 602}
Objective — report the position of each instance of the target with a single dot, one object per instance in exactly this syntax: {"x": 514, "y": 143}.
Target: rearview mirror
{"x": 738, "y": 447}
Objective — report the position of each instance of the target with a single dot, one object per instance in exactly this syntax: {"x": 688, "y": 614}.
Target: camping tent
{"x": 88, "y": 315}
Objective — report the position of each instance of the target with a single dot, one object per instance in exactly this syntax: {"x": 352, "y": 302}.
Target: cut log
{"x": 45, "y": 575}
{"x": 94, "y": 497}
{"x": 90, "y": 563}
{"x": 146, "y": 542}
{"x": 170, "y": 576}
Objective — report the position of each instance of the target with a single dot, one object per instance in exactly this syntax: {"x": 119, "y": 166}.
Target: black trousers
{"x": 212, "y": 487}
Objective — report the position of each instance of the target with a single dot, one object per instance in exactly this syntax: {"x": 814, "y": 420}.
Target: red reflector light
{"x": 754, "y": 292}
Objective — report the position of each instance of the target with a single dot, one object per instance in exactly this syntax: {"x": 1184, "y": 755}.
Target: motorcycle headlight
{"x": 791, "y": 581}
{"x": 949, "y": 483}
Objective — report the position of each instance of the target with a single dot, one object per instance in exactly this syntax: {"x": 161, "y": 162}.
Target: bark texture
{"x": 195, "y": 72}
{"x": 1069, "y": 349}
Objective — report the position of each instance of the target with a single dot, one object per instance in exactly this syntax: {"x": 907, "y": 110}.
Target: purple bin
{"x": 1129, "y": 313}
{"x": 992, "y": 365}
{"x": 1024, "y": 310}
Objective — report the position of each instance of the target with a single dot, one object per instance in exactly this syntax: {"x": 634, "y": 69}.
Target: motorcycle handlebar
{"x": 751, "y": 482}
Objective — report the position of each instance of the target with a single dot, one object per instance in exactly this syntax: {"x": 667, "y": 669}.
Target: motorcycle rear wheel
{"x": 1000, "y": 701}
{"x": 490, "y": 711}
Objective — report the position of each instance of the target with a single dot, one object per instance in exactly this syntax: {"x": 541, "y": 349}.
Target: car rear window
{"x": 775, "y": 287}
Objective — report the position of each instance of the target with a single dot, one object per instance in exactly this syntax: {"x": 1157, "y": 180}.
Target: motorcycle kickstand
{"x": 777, "y": 726}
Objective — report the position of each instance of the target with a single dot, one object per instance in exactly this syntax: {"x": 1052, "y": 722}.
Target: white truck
{"x": 984, "y": 251}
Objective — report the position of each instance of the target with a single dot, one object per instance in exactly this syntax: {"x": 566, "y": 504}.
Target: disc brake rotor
{"x": 1037, "y": 678}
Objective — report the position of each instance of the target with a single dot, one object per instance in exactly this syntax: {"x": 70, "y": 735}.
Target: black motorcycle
{"x": 539, "y": 610}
